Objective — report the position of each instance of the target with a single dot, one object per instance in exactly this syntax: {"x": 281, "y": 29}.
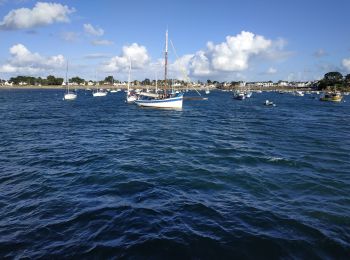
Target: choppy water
{"x": 220, "y": 179}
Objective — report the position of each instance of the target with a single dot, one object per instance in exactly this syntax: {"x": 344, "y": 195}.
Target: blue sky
{"x": 220, "y": 40}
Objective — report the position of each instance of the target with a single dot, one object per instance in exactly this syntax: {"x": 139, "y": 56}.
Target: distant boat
{"x": 130, "y": 94}
{"x": 269, "y": 103}
{"x": 248, "y": 94}
{"x": 164, "y": 99}
{"x": 207, "y": 91}
{"x": 239, "y": 95}
{"x": 299, "y": 93}
{"x": 332, "y": 96}
{"x": 69, "y": 95}
{"x": 113, "y": 91}
{"x": 99, "y": 93}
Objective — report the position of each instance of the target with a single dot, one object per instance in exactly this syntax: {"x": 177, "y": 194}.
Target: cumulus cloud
{"x": 232, "y": 55}
{"x": 346, "y": 64}
{"x": 42, "y": 14}
{"x": 102, "y": 42}
{"x": 94, "y": 31}
{"x": 24, "y": 61}
{"x": 136, "y": 53}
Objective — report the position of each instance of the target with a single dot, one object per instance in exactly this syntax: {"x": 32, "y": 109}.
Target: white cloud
{"x": 271, "y": 70}
{"x": 94, "y": 31}
{"x": 24, "y": 61}
{"x": 346, "y": 64}
{"x": 42, "y": 14}
{"x": 137, "y": 53}
{"x": 233, "y": 55}
{"x": 102, "y": 42}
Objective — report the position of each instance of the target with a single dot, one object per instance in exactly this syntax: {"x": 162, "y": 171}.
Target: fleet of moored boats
{"x": 164, "y": 98}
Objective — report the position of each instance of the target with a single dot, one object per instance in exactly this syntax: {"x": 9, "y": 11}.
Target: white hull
{"x": 175, "y": 102}
{"x": 130, "y": 99}
{"x": 299, "y": 93}
{"x": 249, "y": 94}
{"x": 70, "y": 96}
{"x": 99, "y": 94}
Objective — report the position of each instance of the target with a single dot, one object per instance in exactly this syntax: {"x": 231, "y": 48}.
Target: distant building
{"x": 6, "y": 83}
{"x": 282, "y": 83}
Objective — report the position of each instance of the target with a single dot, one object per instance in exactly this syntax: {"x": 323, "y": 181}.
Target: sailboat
{"x": 130, "y": 95}
{"x": 113, "y": 90}
{"x": 164, "y": 99}
{"x": 99, "y": 92}
{"x": 207, "y": 91}
{"x": 69, "y": 95}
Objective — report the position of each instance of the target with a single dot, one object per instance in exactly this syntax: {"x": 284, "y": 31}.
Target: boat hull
{"x": 70, "y": 96}
{"x": 99, "y": 94}
{"x": 333, "y": 99}
{"x": 131, "y": 99}
{"x": 175, "y": 102}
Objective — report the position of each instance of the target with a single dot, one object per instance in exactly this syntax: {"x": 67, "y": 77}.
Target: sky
{"x": 224, "y": 40}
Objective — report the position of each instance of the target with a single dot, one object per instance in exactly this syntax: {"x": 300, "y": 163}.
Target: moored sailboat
{"x": 130, "y": 94}
{"x": 69, "y": 95}
{"x": 164, "y": 99}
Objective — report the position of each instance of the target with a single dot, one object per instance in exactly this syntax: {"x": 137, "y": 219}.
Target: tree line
{"x": 334, "y": 80}
{"x": 330, "y": 80}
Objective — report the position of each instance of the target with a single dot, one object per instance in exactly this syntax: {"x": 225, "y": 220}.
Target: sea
{"x": 97, "y": 178}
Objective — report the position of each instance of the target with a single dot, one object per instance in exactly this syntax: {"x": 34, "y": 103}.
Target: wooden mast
{"x": 166, "y": 62}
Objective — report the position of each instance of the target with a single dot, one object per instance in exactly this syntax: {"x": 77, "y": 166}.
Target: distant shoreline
{"x": 151, "y": 87}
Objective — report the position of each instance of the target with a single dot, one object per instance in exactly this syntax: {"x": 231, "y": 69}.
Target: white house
{"x": 8, "y": 83}
{"x": 283, "y": 83}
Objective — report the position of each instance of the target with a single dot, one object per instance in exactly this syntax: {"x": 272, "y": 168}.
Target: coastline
{"x": 48, "y": 87}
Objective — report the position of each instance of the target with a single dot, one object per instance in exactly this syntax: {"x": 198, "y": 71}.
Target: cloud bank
{"x": 42, "y": 14}
{"x": 138, "y": 55}
{"x": 234, "y": 55}
{"x": 24, "y": 61}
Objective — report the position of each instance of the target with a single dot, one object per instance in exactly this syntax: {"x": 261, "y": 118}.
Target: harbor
{"x": 200, "y": 130}
{"x": 97, "y": 169}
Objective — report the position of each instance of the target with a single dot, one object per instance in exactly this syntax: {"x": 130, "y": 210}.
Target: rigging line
{"x": 182, "y": 69}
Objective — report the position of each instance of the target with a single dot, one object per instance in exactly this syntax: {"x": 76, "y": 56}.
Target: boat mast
{"x": 67, "y": 78}
{"x": 129, "y": 75}
{"x": 166, "y": 62}
{"x": 156, "y": 83}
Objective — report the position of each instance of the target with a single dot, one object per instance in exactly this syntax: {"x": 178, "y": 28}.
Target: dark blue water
{"x": 220, "y": 179}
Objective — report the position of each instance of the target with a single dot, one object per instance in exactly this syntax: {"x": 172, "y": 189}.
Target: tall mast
{"x": 129, "y": 75}
{"x": 67, "y": 77}
{"x": 156, "y": 83}
{"x": 166, "y": 61}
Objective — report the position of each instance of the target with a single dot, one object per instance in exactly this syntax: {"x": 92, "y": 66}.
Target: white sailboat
{"x": 69, "y": 95}
{"x": 207, "y": 91}
{"x": 99, "y": 92}
{"x": 165, "y": 99}
{"x": 130, "y": 95}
